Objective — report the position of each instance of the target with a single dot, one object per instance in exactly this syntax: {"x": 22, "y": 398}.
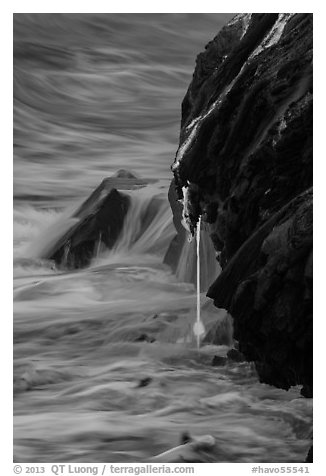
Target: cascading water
{"x": 187, "y": 266}
{"x": 148, "y": 226}
{"x": 199, "y": 329}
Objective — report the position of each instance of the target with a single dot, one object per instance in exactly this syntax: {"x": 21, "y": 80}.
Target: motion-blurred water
{"x": 94, "y": 94}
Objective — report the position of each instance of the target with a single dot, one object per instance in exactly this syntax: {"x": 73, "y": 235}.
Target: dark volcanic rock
{"x": 221, "y": 333}
{"x": 144, "y": 338}
{"x": 309, "y": 458}
{"x": 100, "y": 222}
{"x": 144, "y": 382}
{"x": 246, "y": 148}
{"x": 218, "y": 361}
{"x": 185, "y": 438}
{"x": 125, "y": 180}
{"x": 235, "y": 355}
{"x": 307, "y": 391}
{"x": 97, "y": 223}
{"x": 122, "y": 173}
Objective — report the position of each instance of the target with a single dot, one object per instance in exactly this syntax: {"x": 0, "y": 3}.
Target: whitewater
{"x": 106, "y": 364}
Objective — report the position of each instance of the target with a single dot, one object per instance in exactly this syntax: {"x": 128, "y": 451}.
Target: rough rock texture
{"x": 100, "y": 222}
{"x": 245, "y": 164}
{"x": 221, "y": 333}
{"x": 96, "y": 224}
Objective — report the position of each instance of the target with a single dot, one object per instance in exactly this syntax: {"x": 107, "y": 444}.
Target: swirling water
{"x": 94, "y": 94}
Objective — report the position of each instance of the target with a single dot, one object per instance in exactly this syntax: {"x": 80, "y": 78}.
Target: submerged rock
{"x": 246, "y": 145}
{"x": 218, "y": 361}
{"x": 144, "y": 382}
{"x": 192, "y": 450}
{"x": 185, "y": 438}
{"x": 145, "y": 338}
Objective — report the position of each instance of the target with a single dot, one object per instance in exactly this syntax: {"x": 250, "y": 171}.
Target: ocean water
{"x": 93, "y": 94}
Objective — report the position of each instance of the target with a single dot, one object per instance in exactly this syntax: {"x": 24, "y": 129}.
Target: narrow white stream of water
{"x": 199, "y": 329}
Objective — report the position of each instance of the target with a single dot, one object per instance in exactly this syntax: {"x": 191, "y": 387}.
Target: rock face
{"x": 221, "y": 333}
{"x": 96, "y": 224}
{"x": 100, "y": 222}
{"x": 244, "y": 164}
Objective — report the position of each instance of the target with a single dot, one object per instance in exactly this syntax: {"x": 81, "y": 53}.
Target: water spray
{"x": 198, "y": 328}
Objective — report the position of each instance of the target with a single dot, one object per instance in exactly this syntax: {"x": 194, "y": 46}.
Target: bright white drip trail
{"x": 199, "y": 328}
{"x": 198, "y": 279}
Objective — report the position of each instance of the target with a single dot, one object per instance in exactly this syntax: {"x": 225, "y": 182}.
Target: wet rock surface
{"x": 235, "y": 355}
{"x": 246, "y": 147}
{"x": 97, "y": 223}
{"x": 100, "y": 222}
{"x": 221, "y": 333}
{"x": 218, "y": 361}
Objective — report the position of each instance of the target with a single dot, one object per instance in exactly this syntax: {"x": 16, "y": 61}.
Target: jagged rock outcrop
{"x": 95, "y": 225}
{"x": 244, "y": 164}
{"x": 99, "y": 222}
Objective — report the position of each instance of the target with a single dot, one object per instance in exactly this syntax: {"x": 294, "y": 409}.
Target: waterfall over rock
{"x": 109, "y": 219}
{"x": 181, "y": 254}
